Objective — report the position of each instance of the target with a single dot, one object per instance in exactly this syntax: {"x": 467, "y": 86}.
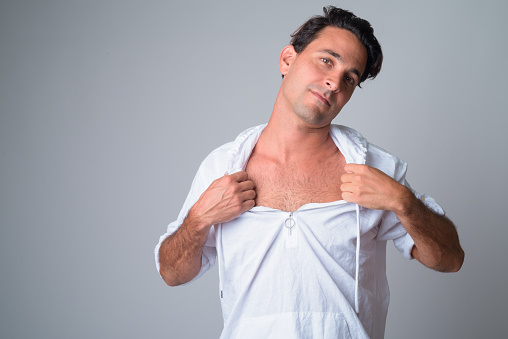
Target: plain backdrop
{"x": 108, "y": 107}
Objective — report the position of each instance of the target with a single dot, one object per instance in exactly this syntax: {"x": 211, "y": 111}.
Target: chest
{"x": 289, "y": 186}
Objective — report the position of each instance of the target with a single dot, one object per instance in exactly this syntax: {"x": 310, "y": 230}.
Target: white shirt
{"x": 300, "y": 274}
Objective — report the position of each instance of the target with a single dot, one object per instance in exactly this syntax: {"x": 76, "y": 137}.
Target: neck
{"x": 289, "y": 138}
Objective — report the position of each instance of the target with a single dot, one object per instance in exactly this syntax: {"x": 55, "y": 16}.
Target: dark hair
{"x": 341, "y": 18}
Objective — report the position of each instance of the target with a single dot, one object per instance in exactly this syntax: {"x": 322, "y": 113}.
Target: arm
{"x": 225, "y": 199}
{"x": 436, "y": 240}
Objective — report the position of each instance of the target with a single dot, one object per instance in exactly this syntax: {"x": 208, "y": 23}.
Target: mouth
{"x": 321, "y": 98}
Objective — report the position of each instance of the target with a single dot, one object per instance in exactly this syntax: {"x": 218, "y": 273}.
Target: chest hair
{"x": 291, "y": 185}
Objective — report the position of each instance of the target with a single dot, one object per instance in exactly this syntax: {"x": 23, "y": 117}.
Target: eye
{"x": 326, "y": 61}
{"x": 349, "y": 80}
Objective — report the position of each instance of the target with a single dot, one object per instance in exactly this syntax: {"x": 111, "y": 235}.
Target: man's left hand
{"x": 371, "y": 188}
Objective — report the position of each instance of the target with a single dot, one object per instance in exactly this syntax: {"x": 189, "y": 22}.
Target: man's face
{"x": 319, "y": 81}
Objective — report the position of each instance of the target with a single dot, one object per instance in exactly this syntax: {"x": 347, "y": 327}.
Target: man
{"x": 297, "y": 212}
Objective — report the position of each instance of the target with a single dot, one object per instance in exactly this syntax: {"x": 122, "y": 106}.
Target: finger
{"x": 347, "y": 177}
{"x": 348, "y": 196}
{"x": 248, "y": 195}
{"x": 345, "y": 187}
{"x": 239, "y": 176}
{"x": 350, "y": 168}
{"x": 352, "y": 178}
{"x": 246, "y": 185}
{"x": 248, "y": 204}
{"x": 355, "y": 168}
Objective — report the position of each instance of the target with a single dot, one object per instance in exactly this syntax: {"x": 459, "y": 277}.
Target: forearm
{"x": 436, "y": 240}
{"x": 180, "y": 254}
{"x": 226, "y": 198}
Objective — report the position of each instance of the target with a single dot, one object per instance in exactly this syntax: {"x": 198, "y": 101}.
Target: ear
{"x": 286, "y": 58}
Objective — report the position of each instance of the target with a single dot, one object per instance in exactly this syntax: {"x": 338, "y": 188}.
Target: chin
{"x": 309, "y": 116}
{"x": 316, "y": 120}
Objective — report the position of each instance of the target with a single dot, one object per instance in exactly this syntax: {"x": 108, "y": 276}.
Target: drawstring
{"x": 357, "y": 276}
{"x": 219, "y": 253}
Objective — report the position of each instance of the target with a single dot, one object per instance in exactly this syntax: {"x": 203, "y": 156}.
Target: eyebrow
{"x": 338, "y": 57}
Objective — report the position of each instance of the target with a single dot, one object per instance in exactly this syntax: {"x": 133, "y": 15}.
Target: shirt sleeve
{"x": 208, "y": 171}
{"x": 391, "y": 228}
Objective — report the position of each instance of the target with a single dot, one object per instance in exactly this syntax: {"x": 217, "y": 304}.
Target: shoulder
{"x": 229, "y": 156}
{"x": 385, "y": 161}
{"x": 363, "y": 151}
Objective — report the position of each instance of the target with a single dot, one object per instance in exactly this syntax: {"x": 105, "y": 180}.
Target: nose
{"x": 333, "y": 84}
{"x": 333, "y": 79}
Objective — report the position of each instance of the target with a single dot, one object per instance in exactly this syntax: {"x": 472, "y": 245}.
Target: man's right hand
{"x": 225, "y": 199}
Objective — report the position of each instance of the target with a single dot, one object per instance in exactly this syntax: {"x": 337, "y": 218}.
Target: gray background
{"x": 108, "y": 107}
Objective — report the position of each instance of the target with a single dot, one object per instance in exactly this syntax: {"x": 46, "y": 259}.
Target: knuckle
{"x": 237, "y": 200}
{"x": 241, "y": 176}
{"x": 229, "y": 191}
